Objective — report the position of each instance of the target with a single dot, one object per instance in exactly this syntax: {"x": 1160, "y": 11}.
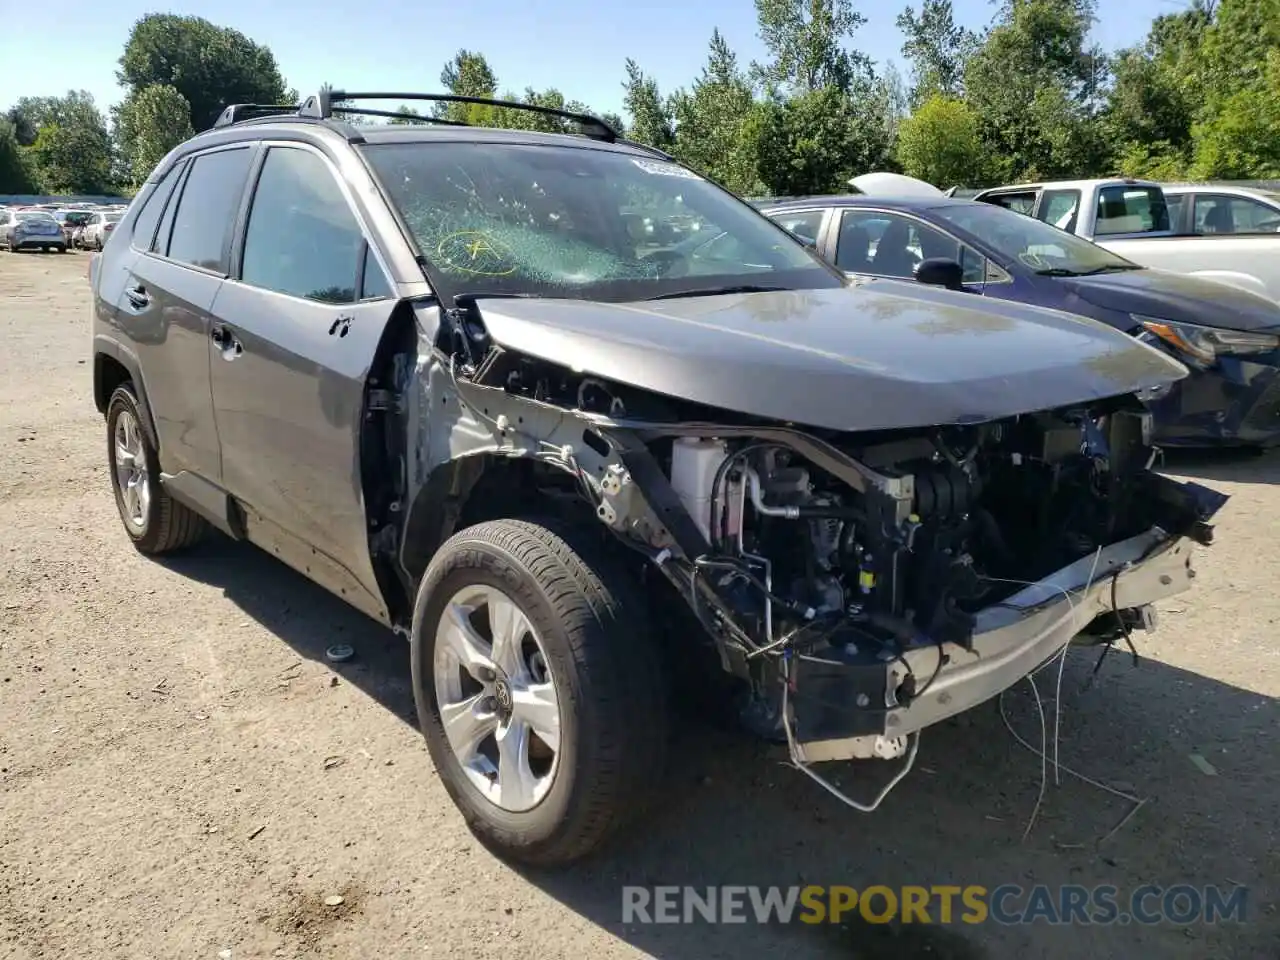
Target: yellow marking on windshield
{"x": 476, "y": 253}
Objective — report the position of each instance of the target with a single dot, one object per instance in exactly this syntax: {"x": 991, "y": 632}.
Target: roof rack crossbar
{"x": 323, "y": 105}
{"x": 396, "y": 115}
{"x": 239, "y": 112}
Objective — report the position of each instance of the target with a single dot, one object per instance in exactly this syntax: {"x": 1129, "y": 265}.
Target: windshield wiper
{"x": 1058, "y": 272}
{"x": 717, "y": 291}
{"x": 1110, "y": 267}
{"x": 471, "y": 296}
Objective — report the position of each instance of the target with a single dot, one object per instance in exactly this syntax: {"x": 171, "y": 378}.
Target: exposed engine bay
{"x": 946, "y": 523}
{"x": 843, "y": 580}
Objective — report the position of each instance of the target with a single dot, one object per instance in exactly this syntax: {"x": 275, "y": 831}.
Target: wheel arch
{"x": 472, "y": 489}
{"x": 113, "y": 367}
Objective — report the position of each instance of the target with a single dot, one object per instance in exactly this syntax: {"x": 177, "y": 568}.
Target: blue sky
{"x": 577, "y": 46}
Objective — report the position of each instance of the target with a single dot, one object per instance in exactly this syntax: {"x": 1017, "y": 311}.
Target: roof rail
{"x": 239, "y": 112}
{"x": 326, "y": 103}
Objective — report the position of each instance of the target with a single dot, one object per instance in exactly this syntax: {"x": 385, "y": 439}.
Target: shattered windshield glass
{"x": 563, "y": 221}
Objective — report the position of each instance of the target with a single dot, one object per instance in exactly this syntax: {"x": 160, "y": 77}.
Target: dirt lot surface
{"x": 182, "y": 773}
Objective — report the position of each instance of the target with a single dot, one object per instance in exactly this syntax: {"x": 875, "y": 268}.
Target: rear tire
{"x": 155, "y": 522}
{"x": 586, "y": 616}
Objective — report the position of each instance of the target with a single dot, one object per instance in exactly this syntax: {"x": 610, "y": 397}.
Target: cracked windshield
{"x": 564, "y": 222}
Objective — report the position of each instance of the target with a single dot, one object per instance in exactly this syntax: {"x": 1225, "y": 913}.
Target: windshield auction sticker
{"x": 661, "y": 169}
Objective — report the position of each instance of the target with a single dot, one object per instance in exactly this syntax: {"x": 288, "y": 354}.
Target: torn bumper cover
{"x": 1011, "y": 640}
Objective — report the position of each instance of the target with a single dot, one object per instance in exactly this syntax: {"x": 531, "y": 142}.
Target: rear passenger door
{"x": 163, "y": 303}
{"x": 295, "y": 336}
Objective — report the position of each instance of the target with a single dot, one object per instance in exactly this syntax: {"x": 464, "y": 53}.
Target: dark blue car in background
{"x": 1228, "y": 338}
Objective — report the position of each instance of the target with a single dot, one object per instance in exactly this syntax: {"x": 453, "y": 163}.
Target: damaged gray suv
{"x": 490, "y": 387}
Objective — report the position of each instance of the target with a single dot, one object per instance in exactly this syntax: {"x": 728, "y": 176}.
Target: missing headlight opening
{"x": 863, "y": 586}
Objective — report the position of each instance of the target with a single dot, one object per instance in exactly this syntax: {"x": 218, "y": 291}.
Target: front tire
{"x": 538, "y": 687}
{"x": 155, "y": 522}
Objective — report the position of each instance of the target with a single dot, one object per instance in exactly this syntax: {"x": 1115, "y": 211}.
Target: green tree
{"x": 805, "y": 40}
{"x": 1154, "y": 97}
{"x": 29, "y": 114}
{"x": 1037, "y": 85}
{"x": 16, "y": 175}
{"x": 937, "y": 48}
{"x": 711, "y": 119}
{"x": 651, "y": 121}
{"x": 1242, "y": 140}
{"x": 72, "y": 149}
{"x": 468, "y": 74}
{"x": 941, "y": 143}
{"x": 813, "y": 142}
{"x": 826, "y": 114}
{"x": 210, "y": 66}
{"x": 149, "y": 122}
{"x": 1235, "y": 133}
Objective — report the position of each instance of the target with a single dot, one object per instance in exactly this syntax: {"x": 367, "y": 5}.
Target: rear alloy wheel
{"x": 155, "y": 522}
{"x": 538, "y": 687}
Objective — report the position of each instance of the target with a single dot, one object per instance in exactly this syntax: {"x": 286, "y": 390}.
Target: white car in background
{"x": 1211, "y": 209}
{"x": 99, "y": 227}
{"x": 1134, "y": 219}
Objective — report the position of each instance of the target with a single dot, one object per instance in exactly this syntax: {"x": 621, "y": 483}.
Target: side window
{"x": 1174, "y": 205}
{"x": 805, "y": 224}
{"x": 1223, "y": 214}
{"x": 302, "y": 237}
{"x": 889, "y": 245}
{"x": 1060, "y": 208}
{"x": 856, "y": 241}
{"x": 144, "y": 227}
{"x": 1022, "y": 203}
{"x": 1123, "y": 209}
{"x": 376, "y": 285}
{"x": 207, "y": 208}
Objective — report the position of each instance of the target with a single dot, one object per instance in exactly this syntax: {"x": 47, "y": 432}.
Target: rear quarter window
{"x": 207, "y": 208}
{"x": 1125, "y": 209}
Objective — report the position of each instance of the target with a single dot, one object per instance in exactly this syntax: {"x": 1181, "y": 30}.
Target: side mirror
{"x": 940, "y": 272}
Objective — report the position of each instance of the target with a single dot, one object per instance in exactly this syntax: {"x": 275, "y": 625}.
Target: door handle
{"x": 137, "y": 296}
{"x": 226, "y": 340}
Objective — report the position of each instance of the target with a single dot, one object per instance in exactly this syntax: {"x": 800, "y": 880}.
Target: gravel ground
{"x": 182, "y": 774}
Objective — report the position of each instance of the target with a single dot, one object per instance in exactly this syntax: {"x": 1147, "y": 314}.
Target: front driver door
{"x": 293, "y": 339}
{"x": 881, "y": 243}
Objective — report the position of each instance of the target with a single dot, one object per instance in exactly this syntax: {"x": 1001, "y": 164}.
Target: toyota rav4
{"x": 481, "y": 384}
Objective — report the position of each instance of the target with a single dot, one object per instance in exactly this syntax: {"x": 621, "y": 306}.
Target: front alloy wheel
{"x": 538, "y": 687}
{"x": 497, "y": 699}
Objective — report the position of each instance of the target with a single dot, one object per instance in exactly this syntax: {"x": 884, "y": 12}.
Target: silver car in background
{"x": 31, "y": 230}
{"x": 98, "y": 228}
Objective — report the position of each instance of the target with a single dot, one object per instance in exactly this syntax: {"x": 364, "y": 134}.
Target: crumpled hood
{"x": 1172, "y": 296}
{"x": 885, "y": 355}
